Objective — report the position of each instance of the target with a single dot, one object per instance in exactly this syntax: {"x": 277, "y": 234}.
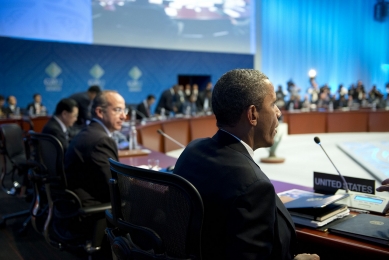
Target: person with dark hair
{"x": 204, "y": 99}
{"x": 243, "y": 216}
{"x": 2, "y": 108}
{"x": 168, "y": 101}
{"x": 143, "y": 109}
{"x": 65, "y": 115}
{"x": 84, "y": 101}
{"x": 86, "y": 160}
{"x": 12, "y": 109}
{"x": 36, "y": 107}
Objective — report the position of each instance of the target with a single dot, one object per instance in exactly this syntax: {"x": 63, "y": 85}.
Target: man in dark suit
{"x": 243, "y": 216}
{"x": 144, "y": 107}
{"x": 36, "y": 107}
{"x": 84, "y": 101}
{"x": 86, "y": 160}
{"x": 12, "y": 109}
{"x": 65, "y": 115}
{"x": 168, "y": 101}
{"x": 2, "y": 107}
{"x": 204, "y": 99}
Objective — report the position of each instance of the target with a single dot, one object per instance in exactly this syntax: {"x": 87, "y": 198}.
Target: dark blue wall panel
{"x": 56, "y": 70}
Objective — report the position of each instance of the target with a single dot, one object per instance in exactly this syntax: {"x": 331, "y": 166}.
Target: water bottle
{"x": 331, "y": 106}
{"x": 133, "y": 117}
{"x": 163, "y": 114}
{"x": 133, "y": 139}
{"x": 187, "y": 111}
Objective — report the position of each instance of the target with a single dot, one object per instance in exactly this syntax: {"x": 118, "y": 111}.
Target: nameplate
{"x": 329, "y": 183}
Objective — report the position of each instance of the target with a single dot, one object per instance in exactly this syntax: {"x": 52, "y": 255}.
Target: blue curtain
{"x": 338, "y": 38}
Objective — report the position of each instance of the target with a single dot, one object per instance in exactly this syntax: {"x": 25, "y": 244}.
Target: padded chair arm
{"x": 94, "y": 209}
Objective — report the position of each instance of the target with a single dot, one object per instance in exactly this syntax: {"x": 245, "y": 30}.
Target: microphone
{"x": 143, "y": 116}
{"x": 317, "y": 140}
{"x": 159, "y": 131}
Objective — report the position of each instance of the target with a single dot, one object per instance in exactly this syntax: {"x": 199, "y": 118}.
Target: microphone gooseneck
{"x": 159, "y": 131}
{"x": 317, "y": 140}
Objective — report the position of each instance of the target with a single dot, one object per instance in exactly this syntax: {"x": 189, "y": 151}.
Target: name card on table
{"x": 329, "y": 183}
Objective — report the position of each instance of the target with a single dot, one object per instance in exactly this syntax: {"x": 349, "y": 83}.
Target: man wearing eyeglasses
{"x": 86, "y": 160}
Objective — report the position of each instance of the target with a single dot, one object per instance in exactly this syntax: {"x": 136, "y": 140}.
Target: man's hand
{"x": 306, "y": 257}
{"x": 384, "y": 186}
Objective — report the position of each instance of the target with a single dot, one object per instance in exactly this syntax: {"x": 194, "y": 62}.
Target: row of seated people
{"x": 11, "y": 109}
{"x": 321, "y": 98}
{"x": 185, "y": 100}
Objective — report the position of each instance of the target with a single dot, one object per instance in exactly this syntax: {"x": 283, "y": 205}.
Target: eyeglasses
{"x": 119, "y": 110}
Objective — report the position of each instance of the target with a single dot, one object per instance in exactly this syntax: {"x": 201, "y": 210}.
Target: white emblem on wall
{"x": 96, "y": 72}
{"x": 53, "y": 83}
{"x": 134, "y": 84}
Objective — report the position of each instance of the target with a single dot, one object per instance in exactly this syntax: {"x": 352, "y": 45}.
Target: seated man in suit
{"x": 243, "y": 216}
{"x": 12, "y": 109}
{"x": 204, "y": 99}
{"x": 144, "y": 107}
{"x": 2, "y": 107}
{"x": 36, "y": 107}
{"x": 86, "y": 160}
{"x": 65, "y": 115}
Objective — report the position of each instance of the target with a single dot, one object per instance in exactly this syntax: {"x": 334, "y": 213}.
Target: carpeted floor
{"x": 30, "y": 244}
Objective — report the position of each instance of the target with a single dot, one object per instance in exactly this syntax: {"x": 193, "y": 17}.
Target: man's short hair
{"x": 94, "y": 89}
{"x": 149, "y": 97}
{"x": 9, "y": 97}
{"x": 101, "y": 101}
{"x": 234, "y": 92}
{"x": 65, "y": 104}
{"x": 2, "y": 98}
{"x": 35, "y": 95}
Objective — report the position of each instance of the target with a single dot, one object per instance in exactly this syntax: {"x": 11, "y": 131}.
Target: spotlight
{"x": 312, "y": 73}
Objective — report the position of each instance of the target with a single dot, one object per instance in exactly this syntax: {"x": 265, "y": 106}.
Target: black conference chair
{"x": 154, "y": 215}
{"x": 14, "y": 148}
{"x": 15, "y": 165}
{"x": 67, "y": 224}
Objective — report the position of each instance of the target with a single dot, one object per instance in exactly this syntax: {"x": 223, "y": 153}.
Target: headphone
{"x": 120, "y": 245}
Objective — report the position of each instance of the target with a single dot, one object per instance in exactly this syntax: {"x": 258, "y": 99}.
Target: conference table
{"x": 327, "y": 245}
{"x": 185, "y": 129}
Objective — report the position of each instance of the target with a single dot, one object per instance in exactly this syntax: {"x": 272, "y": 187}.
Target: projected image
{"x": 68, "y": 21}
{"x": 203, "y": 25}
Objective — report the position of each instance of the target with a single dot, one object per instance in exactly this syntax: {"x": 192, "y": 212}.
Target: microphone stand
{"x": 170, "y": 138}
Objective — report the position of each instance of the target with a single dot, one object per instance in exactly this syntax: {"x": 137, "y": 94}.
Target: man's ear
{"x": 99, "y": 112}
{"x": 252, "y": 115}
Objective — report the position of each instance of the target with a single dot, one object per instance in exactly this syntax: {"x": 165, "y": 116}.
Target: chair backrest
{"x": 12, "y": 141}
{"x": 48, "y": 152}
{"x": 163, "y": 203}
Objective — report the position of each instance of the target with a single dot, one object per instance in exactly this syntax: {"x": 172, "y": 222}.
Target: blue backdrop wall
{"x": 339, "y": 39}
{"x": 57, "y": 70}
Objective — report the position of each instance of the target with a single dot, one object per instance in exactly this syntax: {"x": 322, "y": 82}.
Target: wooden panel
{"x": 201, "y": 127}
{"x": 39, "y": 122}
{"x": 378, "y": 121}
{"x": 149, "y": 137}
{"x": 350, "y": 121}
{"x": 177, "y": 129}
{"x": 306, "y": 123}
